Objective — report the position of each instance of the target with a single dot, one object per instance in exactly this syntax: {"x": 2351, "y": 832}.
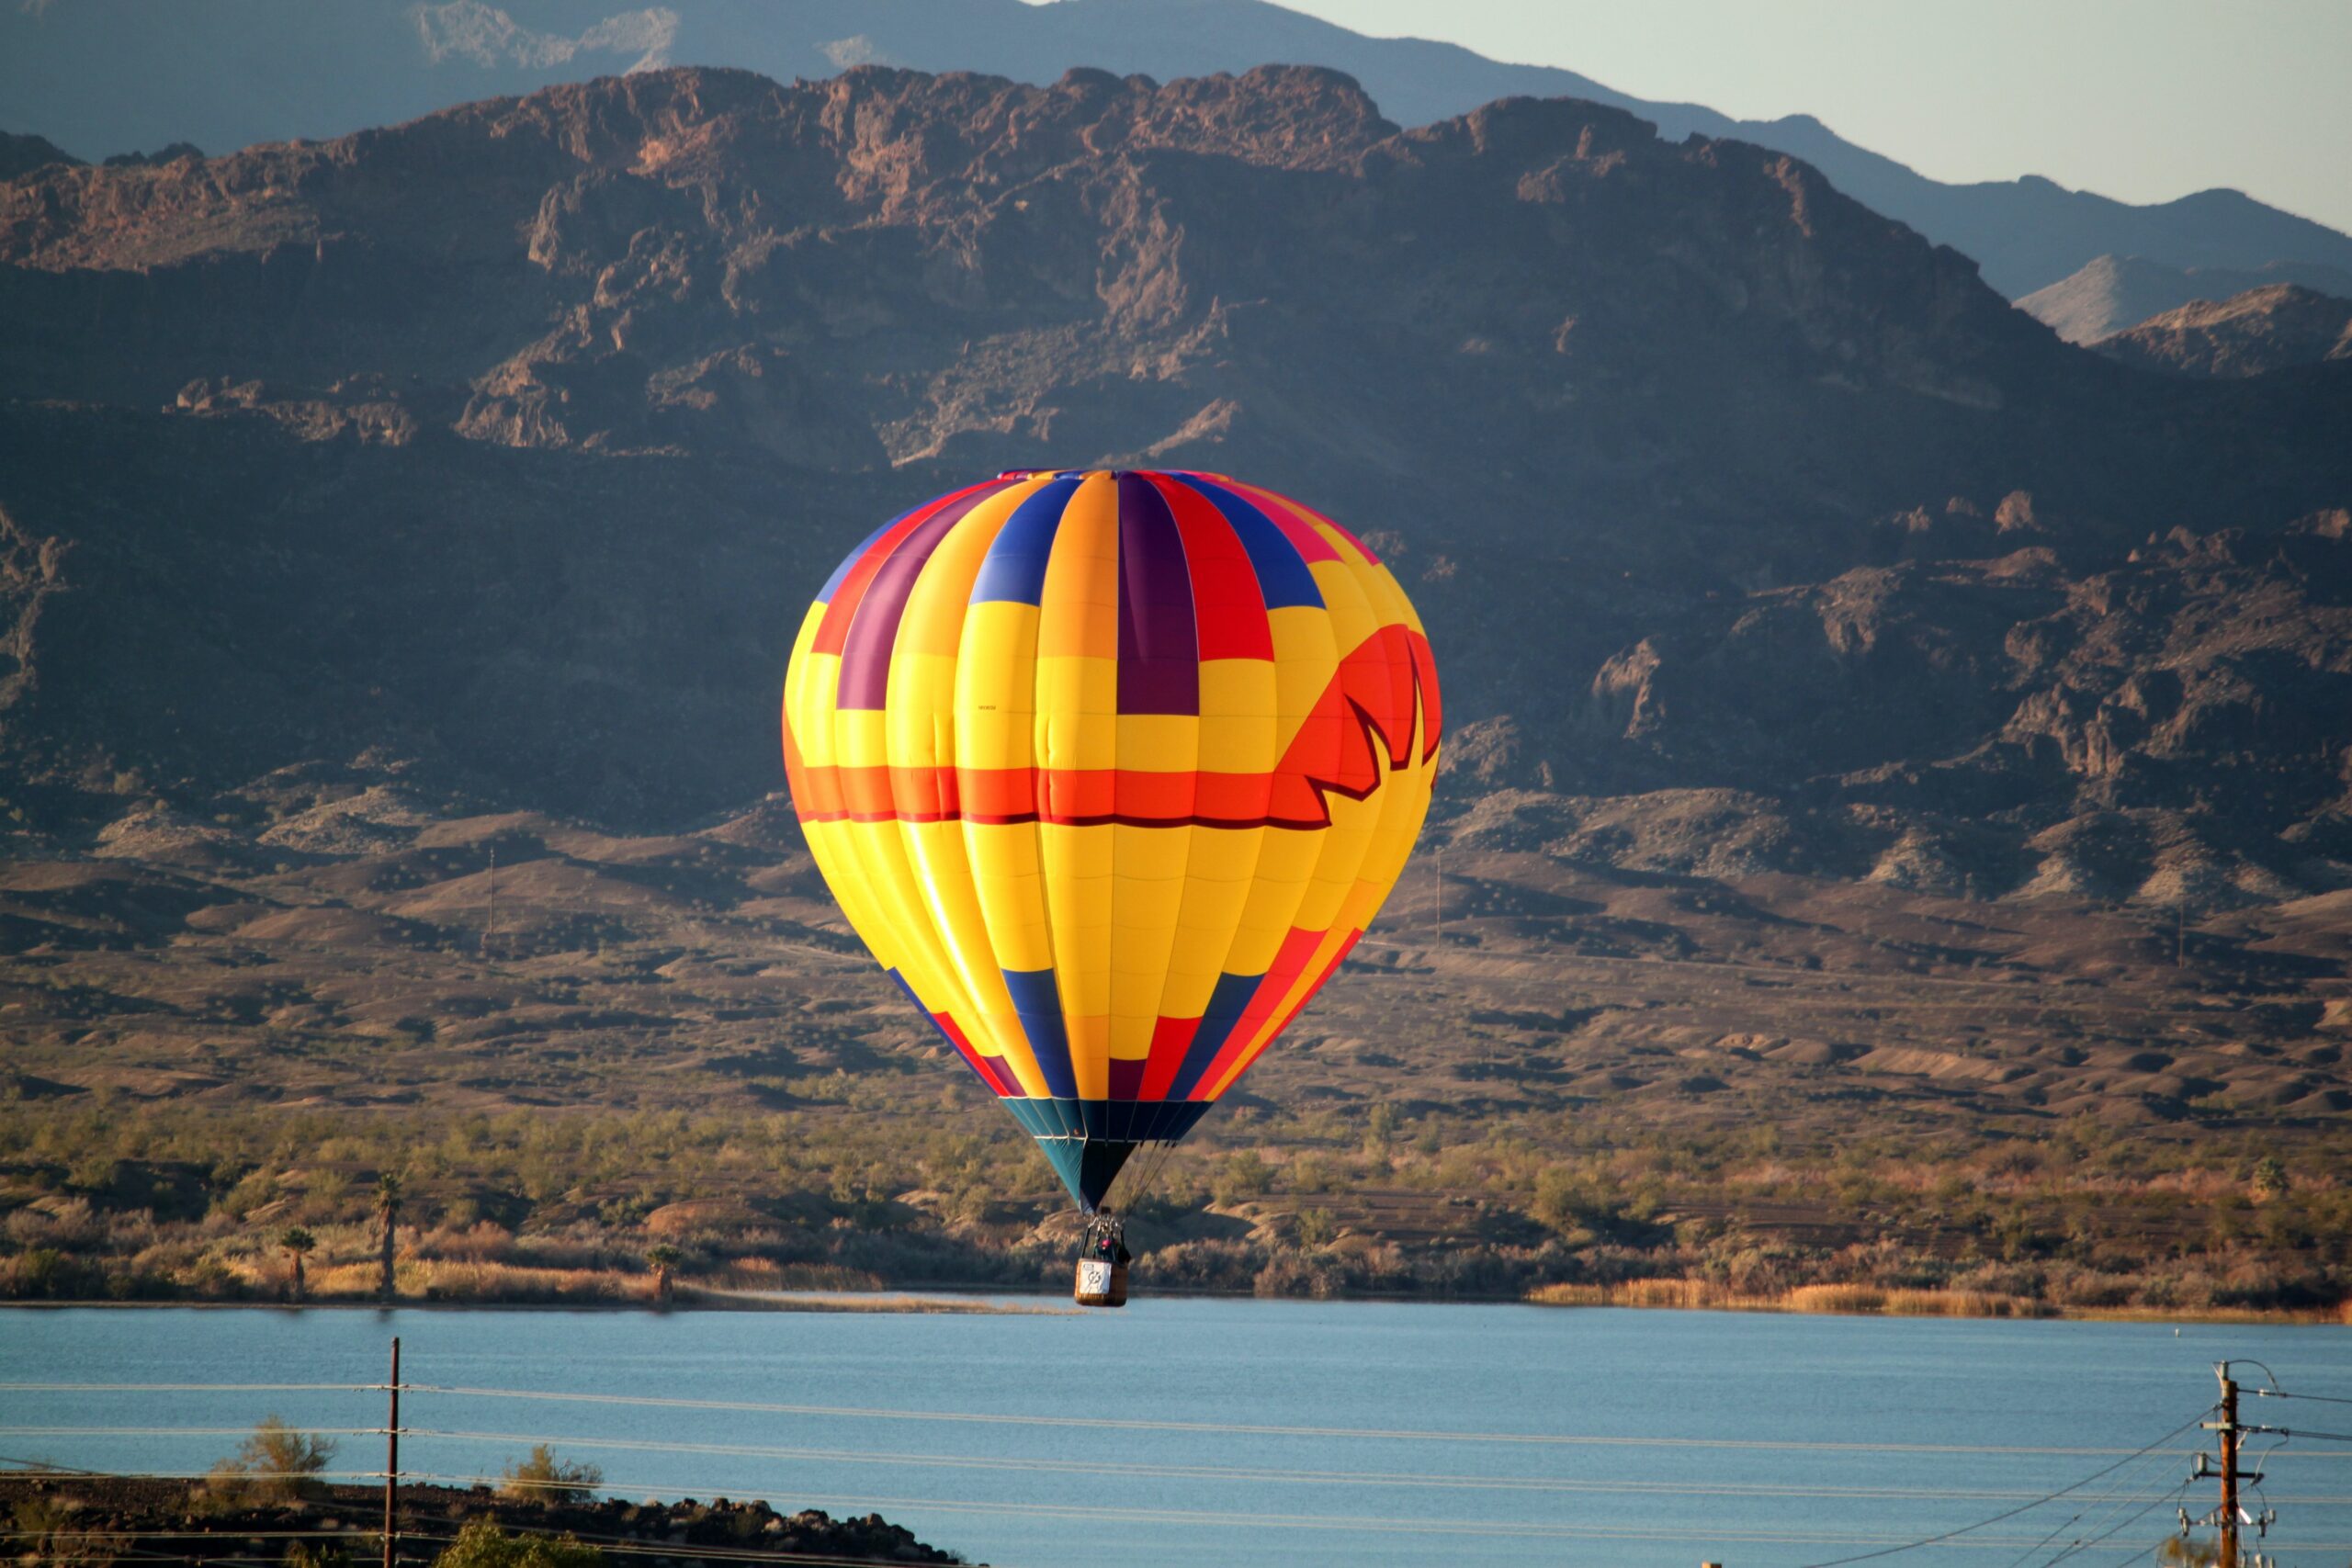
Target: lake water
{"x": 1216, "y": 1432}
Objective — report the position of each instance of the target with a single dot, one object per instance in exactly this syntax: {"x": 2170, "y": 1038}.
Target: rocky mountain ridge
{"x": 106, "y": 76}
{"x": 498, "y": 450}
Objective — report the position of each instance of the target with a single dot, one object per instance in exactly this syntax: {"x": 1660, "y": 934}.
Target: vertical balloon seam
{"x": 1074, "y": 1161}
{"x": 1191, "y": 830}
{"x": 1082, "y": 568}
{"x": 1041, "y": 759}
{"x": 1034, "y": 703}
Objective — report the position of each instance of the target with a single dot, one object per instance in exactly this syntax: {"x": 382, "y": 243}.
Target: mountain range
{"x": 496, "y": 452}
{"x": 110, "y": 76}
{"x": 2114, "y": 293}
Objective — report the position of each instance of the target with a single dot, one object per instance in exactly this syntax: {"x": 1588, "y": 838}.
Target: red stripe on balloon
{"x": 874, "y": 630}
{"x": 1281, "y": 1022}
{"x": 1170, "y": 1038}
{"x": 832, "y": 632}
{"x": 1297, "y": 947}
{"x": 1228, "y": 606}
{"x": 988, "y": 1068}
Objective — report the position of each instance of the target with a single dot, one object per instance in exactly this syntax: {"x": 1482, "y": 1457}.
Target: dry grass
{"x": 463, "y": 1279}
{"x": 1689, "y": 1294}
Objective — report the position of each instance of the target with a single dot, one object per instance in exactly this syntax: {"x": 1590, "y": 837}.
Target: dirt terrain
{"x": 351, "y": 949}
{"x": 1731, "y": 1060}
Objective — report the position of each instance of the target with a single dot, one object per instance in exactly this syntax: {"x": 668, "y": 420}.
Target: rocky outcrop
{"x": 21, "y": 155}
{"x": 2271, "y": 328}
{"x": 2115, "y": 293}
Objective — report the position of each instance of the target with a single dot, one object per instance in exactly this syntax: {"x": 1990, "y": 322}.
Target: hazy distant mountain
{"x": 2266, "y": 329}
{"x": 2114, "y": 293}
{"x": 104, "y": 76}
{"x": 501, "y": 447}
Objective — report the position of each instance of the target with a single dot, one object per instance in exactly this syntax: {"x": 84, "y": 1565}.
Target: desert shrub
{"x": 51, "y": 1530}
{"x": 1207, "y": 1264}
{"x": 543, "y": 1478}
{"x": 2068, "y": 1285}
{"x": 1293, "y": 1274}
{"x": 482, "y": 1544}
{"x": 1241, "y": 1176}
{"x": 276, "y": 1463}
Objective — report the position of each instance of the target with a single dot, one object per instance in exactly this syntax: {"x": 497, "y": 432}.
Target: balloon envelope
{"x": 1110, "y": 769}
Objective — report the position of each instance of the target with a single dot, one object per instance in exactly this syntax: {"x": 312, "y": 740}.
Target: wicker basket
{"x": 1100, "y": 1283}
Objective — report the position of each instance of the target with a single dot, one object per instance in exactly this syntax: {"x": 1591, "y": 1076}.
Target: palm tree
{"x": 662, "y": 1257}
{"x": 388, "y": 1209}
{"x": 297, "y": 1241}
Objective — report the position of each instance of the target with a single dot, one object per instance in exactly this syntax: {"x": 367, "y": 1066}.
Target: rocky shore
{"x": 92, "y": 1520}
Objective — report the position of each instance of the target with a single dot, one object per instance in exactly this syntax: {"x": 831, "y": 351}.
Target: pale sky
{"x": 2142, "y": 101}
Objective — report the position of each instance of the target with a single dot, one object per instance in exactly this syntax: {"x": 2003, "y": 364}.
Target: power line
{"x": 1434, "y": 1479}
{"x": 2022, "y": 1508}
{"x": 2282, "y": 1394}
{"x": 2113, "y": 1517}
{"x": 245, "y": 1431}
{"x": 838, "y": 1412}
{"x": 2118, "y": 1527}
{"x": 191, "y": 1388}
{"x": 2077, "y": 1517}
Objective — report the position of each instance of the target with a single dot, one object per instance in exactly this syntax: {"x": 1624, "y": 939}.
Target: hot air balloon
{"x": 1110, "y": 769}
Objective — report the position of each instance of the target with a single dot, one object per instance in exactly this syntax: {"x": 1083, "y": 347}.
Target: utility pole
{"x": 392, "y": 1459}
{"x": 2227, "y": 1430}
{"x": 1437, "y": 858}
{"x": 2231, "y": 1514}
{"x": 489, "y": 932}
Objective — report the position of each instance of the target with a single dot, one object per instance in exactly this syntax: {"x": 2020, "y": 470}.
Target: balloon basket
{"x": 1100, "y": 1284}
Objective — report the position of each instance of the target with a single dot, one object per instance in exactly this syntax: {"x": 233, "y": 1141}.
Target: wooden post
{"x": 2228, "y": 1431}
{"x": 392, "y": 1459}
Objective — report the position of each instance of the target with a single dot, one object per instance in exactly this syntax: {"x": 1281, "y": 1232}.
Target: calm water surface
{"x": 1467, "y": 1435}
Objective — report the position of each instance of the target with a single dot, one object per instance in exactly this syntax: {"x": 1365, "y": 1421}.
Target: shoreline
{"x": 1009, "y": 1304}
{"x": 884, "y": 1302}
